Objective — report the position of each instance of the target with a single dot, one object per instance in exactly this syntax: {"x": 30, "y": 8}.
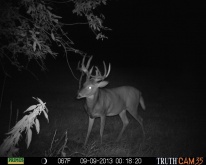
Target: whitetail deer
{"x": 108, "y": 102}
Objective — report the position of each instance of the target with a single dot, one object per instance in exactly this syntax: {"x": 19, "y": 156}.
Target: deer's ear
{"x": 102, "y": 84}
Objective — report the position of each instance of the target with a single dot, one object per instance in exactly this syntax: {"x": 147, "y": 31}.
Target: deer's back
{"x": 120, "y": 98}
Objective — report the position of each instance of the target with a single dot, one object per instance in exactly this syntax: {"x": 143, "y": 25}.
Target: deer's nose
{"x": 79, "y": 96}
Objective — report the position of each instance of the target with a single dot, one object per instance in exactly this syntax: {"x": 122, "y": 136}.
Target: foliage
{"x": 30, "y": 29}
{"x": 8, "y": 147}
{"x": 85, "y": 7}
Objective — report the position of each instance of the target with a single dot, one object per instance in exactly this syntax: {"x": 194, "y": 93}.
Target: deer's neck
{"x": 93, "y": 99}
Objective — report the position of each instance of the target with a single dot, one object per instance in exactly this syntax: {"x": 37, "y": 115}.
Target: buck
{"x": 102, "y": 102}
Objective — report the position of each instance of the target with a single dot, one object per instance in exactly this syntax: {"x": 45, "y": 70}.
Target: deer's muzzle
{"x": 79, "y": 96}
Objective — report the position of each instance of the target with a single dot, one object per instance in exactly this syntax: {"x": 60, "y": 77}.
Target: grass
{"x": 173, "y": 120}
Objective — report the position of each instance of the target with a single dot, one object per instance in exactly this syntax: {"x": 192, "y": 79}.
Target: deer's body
{"x": 102, "y": 102}
{"x": 110, "y": 102}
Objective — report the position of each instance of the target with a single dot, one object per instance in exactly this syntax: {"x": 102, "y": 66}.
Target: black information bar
{"x": 80, "y": 160}
{"x": 104, "y": 160}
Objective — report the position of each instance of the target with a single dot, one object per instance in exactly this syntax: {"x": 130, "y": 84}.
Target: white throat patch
{"x": 91, "y": 97}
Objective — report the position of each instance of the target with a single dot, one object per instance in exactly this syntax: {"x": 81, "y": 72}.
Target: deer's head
{"x": 93, "y": 82}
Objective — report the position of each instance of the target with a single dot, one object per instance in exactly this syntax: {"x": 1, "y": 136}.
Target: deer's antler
{"x": 98, "y": 76}
{"x": 85, "y": 69}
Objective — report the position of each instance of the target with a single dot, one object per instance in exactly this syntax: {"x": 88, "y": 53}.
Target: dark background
{"x": 147, "y": 33}
{"x": 165, "y": 36}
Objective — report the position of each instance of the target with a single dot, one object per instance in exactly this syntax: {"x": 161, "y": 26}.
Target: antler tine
{"x": 90, "y": 71}
{"x": 83, "y": 60}
{"x": 105, "y": 69}
{"x": 84, "y": 68}
{"x": 106, "y": 73}
{"x": 98, "y": 75}
{"x": 108, "y": 70}
{"x": 88, "y": 63}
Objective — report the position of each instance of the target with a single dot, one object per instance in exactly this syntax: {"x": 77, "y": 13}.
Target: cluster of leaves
{"x": 9, "y": 146}
{"x": 86, "y": 7}
{"x": 29, "y": 29}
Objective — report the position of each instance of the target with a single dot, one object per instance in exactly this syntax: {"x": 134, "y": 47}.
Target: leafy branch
{"x": 30, "y": 29}
{"x": 8, "y": 147}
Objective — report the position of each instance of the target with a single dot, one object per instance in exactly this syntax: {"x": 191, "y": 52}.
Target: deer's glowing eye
{"x": 89, "y": 87}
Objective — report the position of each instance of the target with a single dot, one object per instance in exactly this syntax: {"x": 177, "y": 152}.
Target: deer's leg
{"x": 133, "y": 112}
{"x": 125, "y": 122}
{"x": 140, "y": 120}
{"x": 91, "y": 122}
{"x": 102, "y": 126}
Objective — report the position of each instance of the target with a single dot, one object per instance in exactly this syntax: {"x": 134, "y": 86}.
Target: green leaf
{"x": 31, "y": 108}
{"x": 52, "y": 36}
{"x": 46, "y": 115}
{"x": 34, "y": 46}
{"x": 29, "y": 137}
{"x": 37, "y": 124}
